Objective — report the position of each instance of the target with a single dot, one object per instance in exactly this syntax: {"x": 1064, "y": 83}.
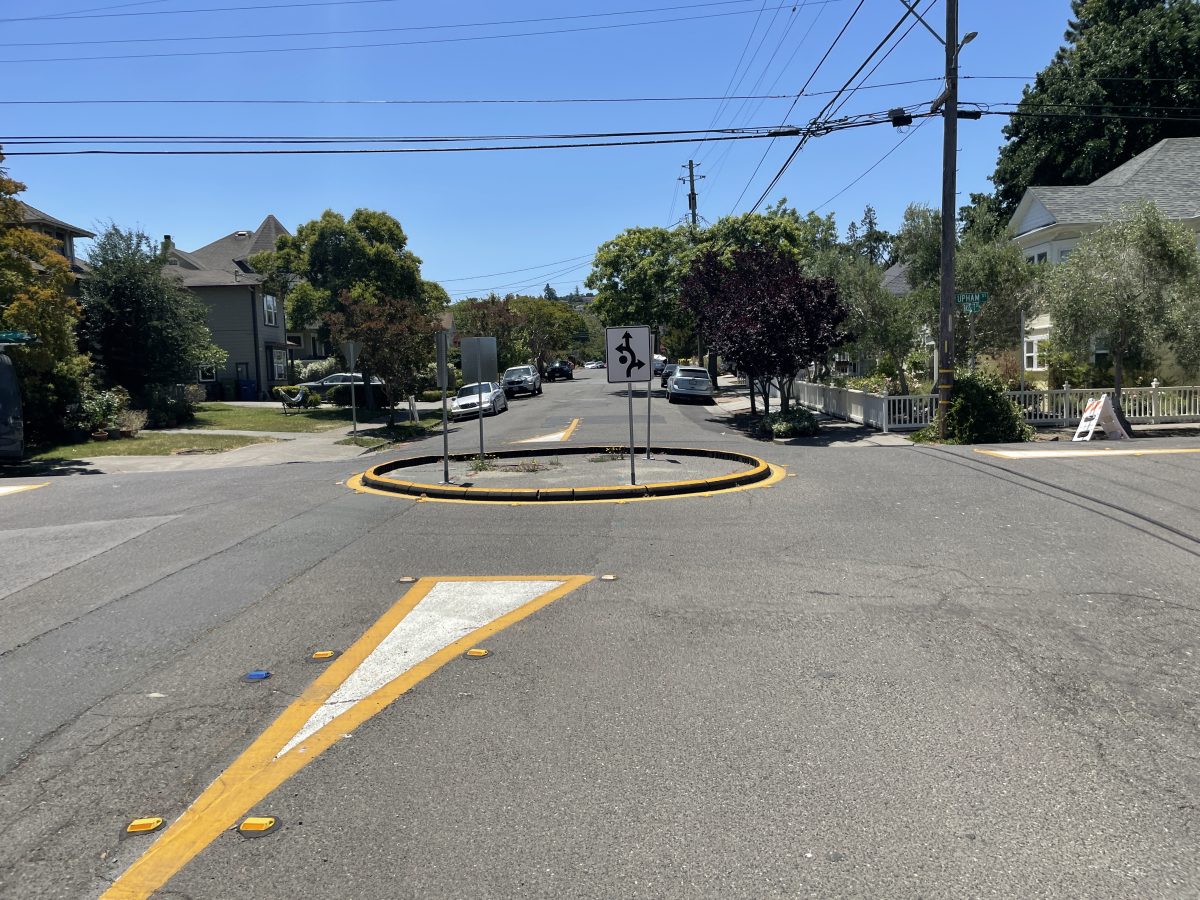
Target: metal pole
{"x": 949, "y": 159}
{"x": 632, "y": 457}
{"x": 443, "y": 352}
{"x": 353, "y": 404}
{"x": 974, "y": 315}
{"x": 445, "y": 441}
{"x": 650, "y": 388}
{"x": 1021, "y": 351}
{"x": 479, "y": 394}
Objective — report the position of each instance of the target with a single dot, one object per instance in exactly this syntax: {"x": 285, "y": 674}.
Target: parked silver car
{"x": 689, "y": 381}
{"x": 521, "y": 380}
{"x": 469, "y": 397}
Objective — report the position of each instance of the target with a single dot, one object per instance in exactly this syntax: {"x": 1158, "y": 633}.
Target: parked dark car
{"x": 12, "y": 426}
{"x": 667, "y": 372}
{"x": 560, "y": 368}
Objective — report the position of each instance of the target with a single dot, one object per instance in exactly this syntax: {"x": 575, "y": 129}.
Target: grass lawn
{"x": 148, "y": 443}
{"x": 382, "y": 436}
{"x": 268, "y": 418}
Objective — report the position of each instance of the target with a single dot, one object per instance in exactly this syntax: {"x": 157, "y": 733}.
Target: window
{"x": 206, "y": 373}
{"x": 1063, "y": 254}
{"x": 1030, "y": 260}
{"x": 279, "y": 364}
{"x": 1033, "y": 362}
{"x": 296, "y": 339}
{"x": 1041, "y": 257}
{"x": 270, "y": 309}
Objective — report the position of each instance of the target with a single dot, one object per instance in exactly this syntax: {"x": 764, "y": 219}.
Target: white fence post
{"x": 885, "y": 409}
{"x": 1066, "y": 406}
{"x": 1154, "y": 401}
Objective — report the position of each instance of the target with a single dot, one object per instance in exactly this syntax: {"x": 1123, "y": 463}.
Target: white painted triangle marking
{"x": 450, "y": 611}
{"x": 557, "y": 436}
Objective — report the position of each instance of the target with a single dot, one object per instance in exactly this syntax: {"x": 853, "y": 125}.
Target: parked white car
{"x": 470, "y": 396}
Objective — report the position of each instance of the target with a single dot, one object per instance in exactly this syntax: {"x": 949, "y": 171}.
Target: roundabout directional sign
{"x": 629, "y": 358}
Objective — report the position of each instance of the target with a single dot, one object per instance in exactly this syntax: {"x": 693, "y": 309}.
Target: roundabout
{"x": 568, "y": 475}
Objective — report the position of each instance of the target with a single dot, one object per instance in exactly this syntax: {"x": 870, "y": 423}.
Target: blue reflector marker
{"x": 257, "y": 675}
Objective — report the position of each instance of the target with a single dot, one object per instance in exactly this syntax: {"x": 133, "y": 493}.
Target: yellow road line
{"x": 17, "y": 488}
{"x": 1098, "y": 451}
{"x": 566, "y": 435}
{"x": 258, "y": 771}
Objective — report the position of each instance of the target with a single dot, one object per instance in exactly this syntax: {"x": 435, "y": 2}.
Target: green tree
{"x": 636, "y": 277}
{"x": 35, "y": 283}
{"x": 544, "y": 327}
{"x": 1111, "y": 92}
{"x": 780, "y": 228}
{"x": 868, "y": 240}
{"x": 880, "y": 324}
{"x": 142, "y": 325}
{"x": 549, "y": 292}
{"x": 396, "y": 334}
{"x": 491, "y": 316}
{"x": 1131, "y": 287}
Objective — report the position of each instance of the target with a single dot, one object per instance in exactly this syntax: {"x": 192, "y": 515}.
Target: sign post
{"x": 350, "y": 350}
{"x": 650, "y": 387}
{"x": 479, "y": 356}
{"x": 629, "y": 360}
{"x": 443, "y": 381}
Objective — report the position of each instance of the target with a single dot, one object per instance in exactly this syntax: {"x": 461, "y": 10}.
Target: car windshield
{"x": 518, "y": 372}
{"x": 472, "y": 390}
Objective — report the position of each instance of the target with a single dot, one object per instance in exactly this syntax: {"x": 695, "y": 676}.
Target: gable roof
{"x": 895, "y": 280}
{"x": 232, "y": 252}
{"x": 1167, "y": 174}
{"x": 34, "y": 216}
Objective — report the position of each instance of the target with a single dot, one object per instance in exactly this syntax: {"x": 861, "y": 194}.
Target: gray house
{"x": 246, "y": 322}
{"x": 63, "y": 233}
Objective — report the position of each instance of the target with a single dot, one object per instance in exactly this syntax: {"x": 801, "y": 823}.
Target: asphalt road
{"x": 903, "y": 672}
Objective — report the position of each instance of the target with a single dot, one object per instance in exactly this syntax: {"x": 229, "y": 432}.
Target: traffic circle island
{"x": 568, "y": 475}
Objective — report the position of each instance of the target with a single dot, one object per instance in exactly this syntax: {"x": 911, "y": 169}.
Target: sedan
{"x": 470, "y": 396}
{"x": 332, "y": 381}
{"x": 560, "y": 368}
{"x": 521, "y": 379}
{"x": 689, "y": 381}
{"x": 667, "y": 372}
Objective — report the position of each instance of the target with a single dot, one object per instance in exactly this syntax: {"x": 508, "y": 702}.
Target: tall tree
{"x": 1111, "y": 92}
{"x": 636, "y": 277}
{"x": 491, "y": 316}
{"x": 396, "y": 334}
{"x": 143, "y": 327}
{"x": 879, "y": 324}
{"x": 868, "y": 240}
{"x": 760, "y": 311}
{"x": 35, "y": 282}
{"x": 1129, "y": 287}
{"x": 544, "y": 327}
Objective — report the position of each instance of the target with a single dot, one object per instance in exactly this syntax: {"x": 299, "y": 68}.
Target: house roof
{"x": 232, "y": 252}
{"x": 34, "y": 216}
{"x": 895, "y": 279}
{"x": 1168, "y": 174}
{"x": 211, "y": 277}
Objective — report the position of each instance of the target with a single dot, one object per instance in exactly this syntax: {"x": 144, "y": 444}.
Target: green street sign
{"x": 970, "y": 301}
{"x": 17, "y": 337}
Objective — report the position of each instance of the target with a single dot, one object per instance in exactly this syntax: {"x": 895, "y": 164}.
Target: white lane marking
{"x": 1049, "y": 454}
{"x": 451, "y": 610}
{"x": 7, "y": 489}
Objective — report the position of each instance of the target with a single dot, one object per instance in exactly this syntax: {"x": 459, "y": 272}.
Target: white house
{"x": 1050, "y": 220}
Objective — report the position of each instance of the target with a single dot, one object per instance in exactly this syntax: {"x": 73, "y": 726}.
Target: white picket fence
{"x": 908, "y": 412}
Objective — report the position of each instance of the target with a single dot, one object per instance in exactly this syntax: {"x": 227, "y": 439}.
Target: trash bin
{"x": 247, "y": 390}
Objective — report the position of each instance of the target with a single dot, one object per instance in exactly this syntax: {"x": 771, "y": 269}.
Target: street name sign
{"x": 629, "y": 357}
{"x": 970, "y": 301}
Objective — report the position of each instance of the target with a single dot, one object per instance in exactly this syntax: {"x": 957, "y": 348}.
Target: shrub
{"x": 979, "y": 413}
{"x": 97, "y": 409}
{"x": 796, "y": 422}
{"x": 316, "y": 369}
{"x": 169, "y": 405}
{"x": 874, "y": 384}
{"x": 339, "y": 395}
{"x": 133, "y": 420}
{"x": 312, "y": 399}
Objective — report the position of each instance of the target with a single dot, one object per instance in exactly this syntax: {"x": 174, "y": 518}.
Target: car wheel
{"x": 670, "y": 397}
{"x": 538, "y": 389}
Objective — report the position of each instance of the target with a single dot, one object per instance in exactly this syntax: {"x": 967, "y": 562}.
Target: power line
{"x": 87, "y": 14}
{"x": 378, "y": 44}
{"x": 328, "y": 33}
{"x": 243, "y": 101}
{"x": 329, "y": 151}
{"x": 797, "y": 100}
{"x": 549, "y": 265}
{"x": 873, "y": 166}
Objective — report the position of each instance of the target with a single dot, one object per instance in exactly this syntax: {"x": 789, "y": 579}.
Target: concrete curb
{"x": 759, "y": 470}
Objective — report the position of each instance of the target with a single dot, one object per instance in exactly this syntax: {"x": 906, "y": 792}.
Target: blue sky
{"x": 471, "y": 214}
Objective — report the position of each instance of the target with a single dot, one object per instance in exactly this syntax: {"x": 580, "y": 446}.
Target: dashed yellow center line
{"x": 566, "y": 435}
{"x": 7, "y": 489}
{"x": 1065, "y": 454}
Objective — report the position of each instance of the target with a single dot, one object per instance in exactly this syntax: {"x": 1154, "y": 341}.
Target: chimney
{"x": 166, "y": 243}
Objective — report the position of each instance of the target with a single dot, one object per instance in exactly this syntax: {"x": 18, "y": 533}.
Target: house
{"x": 246, "y": 322}
{"x": 1050, "y": 220}
{"x": 63, "y": 233}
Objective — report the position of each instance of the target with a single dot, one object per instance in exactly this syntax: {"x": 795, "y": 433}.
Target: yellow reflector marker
{"x": 144, "y": 826}
{"x": 477, "y": 653}
{"x": 258, "y": 826}
{"x": 323, "y": 654}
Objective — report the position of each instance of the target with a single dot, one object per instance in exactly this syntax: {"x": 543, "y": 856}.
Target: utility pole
{"x": 691, "y": 177}
{"x": 949, "y": 235}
